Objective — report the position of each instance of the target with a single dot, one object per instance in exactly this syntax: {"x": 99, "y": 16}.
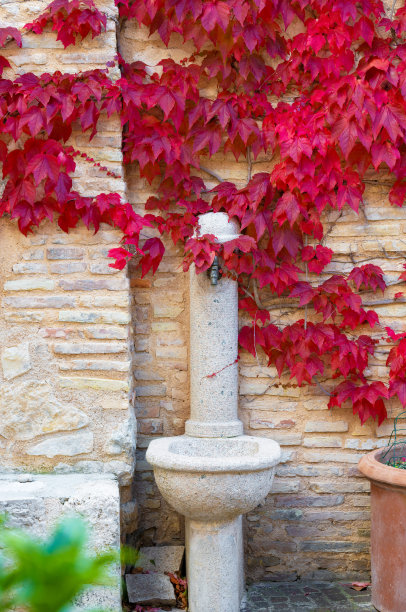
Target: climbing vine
{"x": 316, "y": 89}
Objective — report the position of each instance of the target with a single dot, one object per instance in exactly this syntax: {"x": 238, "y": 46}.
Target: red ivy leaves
{"x": 8, "y": 34}
{"x": 70, "y": 19}
{"x": 348, "y": 116}
{"x": 367, "y": 400}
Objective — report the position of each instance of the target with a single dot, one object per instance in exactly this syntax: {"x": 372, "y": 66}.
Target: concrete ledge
{"x": 36, "y": 502}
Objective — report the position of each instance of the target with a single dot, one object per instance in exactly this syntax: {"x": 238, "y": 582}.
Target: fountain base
{"x": 213, "y": 481}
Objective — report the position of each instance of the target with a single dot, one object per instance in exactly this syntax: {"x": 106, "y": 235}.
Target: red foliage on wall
{"x": 317, "y": 89}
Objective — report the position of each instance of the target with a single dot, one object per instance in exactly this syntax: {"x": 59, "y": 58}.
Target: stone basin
{"x": 213, "y": 479}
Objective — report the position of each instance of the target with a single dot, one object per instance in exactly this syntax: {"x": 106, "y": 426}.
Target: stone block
{"x": 89, "y": 348}
{"x": 65, "y": 253}
{"x": 70, "y": 445}
{"x": 29, "y": 268}
{"x": 326, "y": 426}
{"x": 109, "y": 317}
{"x": 330, "y": 546}
{"x": 40, "y": 501}
{"x": 107, "y": 333}
{"x": 51, "y": 301}
{"x": 150, "y": 390}
{"x": 15, "y": 361}
{"x": 347, "y": 486}
{"x": 150, "y": 589}
{"x": 67, "y": 267}
{"x": 117, "y": 284}
{"x": 334, "y": 457}
{"x": 30, "y": 284}
{"x": 98, "y": 366}
{"x": 322, "y": 501}
{"x": 97, "y": 384}
{"x": 166, "y": 310}
{"x": 322, "y": 442}
{"x": 162, "y": 558}
{"x": 29, "y": 409}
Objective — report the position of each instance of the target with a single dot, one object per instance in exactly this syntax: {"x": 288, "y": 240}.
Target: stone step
{"x": 150, "y": 589}
{"x": 162, "y": 559}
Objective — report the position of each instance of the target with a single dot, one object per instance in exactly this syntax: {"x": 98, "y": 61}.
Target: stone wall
{"x": 65, "y": 358}
{"x": 64, "y": 317}
{"x": 315, "y": 523}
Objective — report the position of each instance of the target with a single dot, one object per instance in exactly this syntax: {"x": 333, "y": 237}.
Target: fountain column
{"x": 214, "y": 345}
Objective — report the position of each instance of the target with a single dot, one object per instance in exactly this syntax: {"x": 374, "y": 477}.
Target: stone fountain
{"x": 213, "y": 474}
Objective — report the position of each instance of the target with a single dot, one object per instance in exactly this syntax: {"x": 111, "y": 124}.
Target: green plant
{"x": 46, "y": 576}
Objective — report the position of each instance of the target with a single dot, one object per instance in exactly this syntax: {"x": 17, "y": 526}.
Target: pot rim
{"x": 370, "y": 466}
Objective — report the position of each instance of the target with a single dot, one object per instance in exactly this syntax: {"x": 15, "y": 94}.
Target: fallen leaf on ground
{"x": 360, "y": 586}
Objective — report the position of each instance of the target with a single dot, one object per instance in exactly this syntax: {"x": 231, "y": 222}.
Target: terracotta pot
{"x": 388, "y": 531}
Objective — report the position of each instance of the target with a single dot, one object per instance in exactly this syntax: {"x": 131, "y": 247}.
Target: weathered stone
{"x": 30, "y": 409}
{"x": 340, "y": 487}
{"x": 30, "y": 284}
{"x": 322, "y": 442}
{"x": 307, "y": 501}
{"x": 29, "y": 268}
{"x": 98, "y": 366}
{"x": 70, "y": 348}
{"x": 70, "y": 445}
{"x": 90, "y": 284}
{"x": 123, "y": 471}
{"x": 67, "y": 267}
{"x": 15, "y": 361}
{"x": 78, "y": 316}
{"x": 330, "y": 546}
{"x": 98, "y": 384}
{"x": 65, "y": 253}
{"x": 39, "y": 502}
{"x": 162, "y": 558}
{"x": 52, "y": 301}
{"x": 150, "y": 426}
{"x": 150, "y": 390}
{"x": 150, "y": 589}
{"x": 122, "y": 440}
{"x": 129, "y": 517}
{"x": 326, "y": 426}
{"x": 285, "y": 486}
{"x": 338, "y": 457}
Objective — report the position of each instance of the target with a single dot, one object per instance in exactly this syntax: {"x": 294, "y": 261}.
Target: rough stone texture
{"x": 30, "y": 409}
{"x": 162, "y": 558}
{"x": 68, "y": 446}
{"x": 306, "y": 595}
{"x": 150, "y": 589}
{"x": 37, "y": 502}
{"x": 64, "y": 316}
{"x": 15, "y": 361}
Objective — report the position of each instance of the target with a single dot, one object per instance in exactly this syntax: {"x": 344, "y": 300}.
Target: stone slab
{"x": 162, "y": 558}
{"x": 150, "y": 589}
{"x": 36, "y": 502}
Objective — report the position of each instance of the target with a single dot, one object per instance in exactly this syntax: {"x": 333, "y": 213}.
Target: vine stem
{"x": 249, "y": 164}
{"x": 307, "y": 278}
{"x": 213, "y": 174}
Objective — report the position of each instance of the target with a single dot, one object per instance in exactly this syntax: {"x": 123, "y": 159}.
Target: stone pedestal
{"x": 215, "y": 565}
